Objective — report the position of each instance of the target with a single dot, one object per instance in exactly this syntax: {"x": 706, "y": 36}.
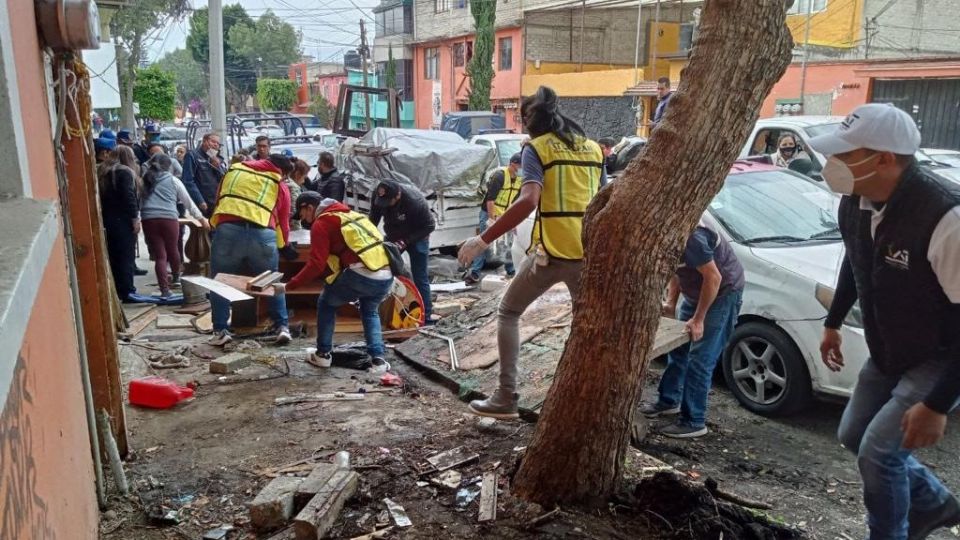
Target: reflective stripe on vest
{"x": 508, "y": 192}
{"x": 248, "y": 194}
{"x": 363, "y": 239}
{"x": 571, "y": 177}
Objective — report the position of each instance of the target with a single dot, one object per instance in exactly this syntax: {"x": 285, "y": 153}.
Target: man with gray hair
{"x": 347, "y": 253}
{"x": 203, "y": 168}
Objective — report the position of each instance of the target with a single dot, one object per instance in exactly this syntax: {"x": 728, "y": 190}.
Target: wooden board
{"x": 240, "y": 284}
{"x": 220, "y": 289}
{"x": 169, "y": 321}
{"x": 203, "y": 323}
{"x": 142, "y": 322}
{"x": 194, "y": 309}
{"x": 135, "y": 311}
{"x": 488, "y": 497}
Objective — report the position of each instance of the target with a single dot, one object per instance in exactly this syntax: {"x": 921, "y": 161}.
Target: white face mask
{"x": 839, "y": 176}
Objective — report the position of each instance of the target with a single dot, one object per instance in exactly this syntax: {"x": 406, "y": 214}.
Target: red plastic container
{"x": 157, "y": 393}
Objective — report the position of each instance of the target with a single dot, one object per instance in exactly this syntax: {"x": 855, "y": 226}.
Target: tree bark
{"x": 634, "y": 233}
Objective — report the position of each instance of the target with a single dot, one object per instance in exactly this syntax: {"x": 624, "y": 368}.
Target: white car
{"x": 505, "y": 144}
{"x": 767, "y": 131}
{"x": 783, "y": 228}
{"x": 948, "y": 158}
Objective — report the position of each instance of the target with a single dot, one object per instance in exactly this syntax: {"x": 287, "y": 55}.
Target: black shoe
{"x": 139, "y": 272}
{"x": 471, "y": 278}
{"x": 924, "y": 523}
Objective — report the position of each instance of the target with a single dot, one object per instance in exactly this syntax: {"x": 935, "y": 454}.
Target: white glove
{"x": 470, "y": 250}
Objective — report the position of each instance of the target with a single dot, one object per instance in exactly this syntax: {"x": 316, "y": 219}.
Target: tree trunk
{"x": 634, "y": 233}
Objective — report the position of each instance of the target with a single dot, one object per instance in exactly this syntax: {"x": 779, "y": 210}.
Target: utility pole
{"x": 806, "y": 55}
{"x": 218, "y": 99}
{"x": 364, "y": 56}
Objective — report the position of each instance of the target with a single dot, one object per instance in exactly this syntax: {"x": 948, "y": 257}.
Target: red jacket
{"x": 282, "y": 207}
{"x": 325, "y": 240}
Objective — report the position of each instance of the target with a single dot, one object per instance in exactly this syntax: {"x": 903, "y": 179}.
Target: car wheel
{"x": 765, "y": 370}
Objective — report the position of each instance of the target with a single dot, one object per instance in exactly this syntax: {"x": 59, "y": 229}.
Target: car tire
{"x": 765, "y": 371}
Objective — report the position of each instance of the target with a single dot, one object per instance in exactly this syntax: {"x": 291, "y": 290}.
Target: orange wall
{"x": 46, "y": 471}
{"x": 455, "y": 86}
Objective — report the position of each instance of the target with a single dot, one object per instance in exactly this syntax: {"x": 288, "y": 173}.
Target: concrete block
{"x": 445, "y": 309}
{"x": 492, "y": 283}
{"x": 273, "y": 506}
{"x": 315, "y": 520}
{"x": 230, "y": 363}
{"x": 313, "y": 484}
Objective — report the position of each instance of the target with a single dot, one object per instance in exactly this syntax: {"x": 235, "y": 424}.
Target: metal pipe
{"x": 116, "y": 465}
{"x": 218, "y": 100}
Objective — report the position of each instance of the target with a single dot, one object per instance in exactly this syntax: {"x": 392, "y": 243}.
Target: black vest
{"x": 907, "y": 317}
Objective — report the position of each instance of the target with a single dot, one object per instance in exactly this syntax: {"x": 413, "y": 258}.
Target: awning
{"x": 555, "y": 5}
{"x": 644, "y": 88}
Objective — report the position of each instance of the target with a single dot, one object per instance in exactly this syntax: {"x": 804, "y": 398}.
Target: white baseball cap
{"x": 874, "y": 126}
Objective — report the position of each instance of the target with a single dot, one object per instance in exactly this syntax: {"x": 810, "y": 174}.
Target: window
{"x": 458, "y": 51}
{"x": 398, "y": 20}
{"x": 800, "y": 7}
{"x": 431, "y": 64}
{"x": 299, "y": 79}
{"x": 469, "y": 50}
{"x": 439, "y": 6}
{"x": 506, "y": 54}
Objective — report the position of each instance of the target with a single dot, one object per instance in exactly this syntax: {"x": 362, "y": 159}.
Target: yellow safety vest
{"x": 508, "y": 192}
{"x": 362, "y": 238}
{"x": 251, "y": 195}
{"x": 571, "y": 177}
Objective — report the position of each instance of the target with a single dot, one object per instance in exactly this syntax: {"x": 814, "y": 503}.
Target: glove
{"x": 470, "y": 250}
{"x": 289, "y": 252}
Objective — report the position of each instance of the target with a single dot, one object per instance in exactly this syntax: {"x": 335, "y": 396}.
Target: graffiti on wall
{"x": 24, "y": 512}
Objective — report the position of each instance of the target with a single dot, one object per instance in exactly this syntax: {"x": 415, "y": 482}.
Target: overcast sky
{"x": 329, "y": 26}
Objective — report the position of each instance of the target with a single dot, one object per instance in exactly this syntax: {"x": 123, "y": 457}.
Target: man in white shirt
{"x": 901, "y": 228}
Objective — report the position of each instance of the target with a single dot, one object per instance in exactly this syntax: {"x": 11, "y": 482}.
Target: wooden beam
{"x": 90, "y": 258}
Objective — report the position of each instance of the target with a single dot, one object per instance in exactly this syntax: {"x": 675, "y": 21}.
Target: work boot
{"x": 922, "y": 524}
{"x": 319, "y": 359}
{"x": 379, "y": 365}
{"x": 501, "y": 404}
{"x": 283, "y": 336}
{"x": 682, "y": 430}
{"x": 471, "y": 278}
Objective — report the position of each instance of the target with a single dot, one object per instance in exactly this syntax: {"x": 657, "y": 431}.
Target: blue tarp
{"x": 470, "y": 123}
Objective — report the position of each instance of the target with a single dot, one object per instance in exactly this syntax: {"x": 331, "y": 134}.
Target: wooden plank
{"x": 142, "y": 322}
{"x": 310, "y": 398}
{"x": 670, "y": 334}
{"x": 217, "y": 287}
{"x": 93, "y": 271}
{"x": 240, "y": 284}
{"x": 316, "y": 519}
{"x": 314, "y": 483}
{"x": 273, "y": 506}
{"x": 133, "y": 311}
{"x": 488, "y": 497}
{"x": 194, "y": 309}
{"x": 203, "y": 323}
{"x": 452, "y": 458}
{"x": 478, "y": 350}
{"x": 264, "y": 281}
{"x": 171, "y": 321}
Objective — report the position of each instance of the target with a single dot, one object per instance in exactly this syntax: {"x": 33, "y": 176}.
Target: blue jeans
{"x": 481, "y": 259}
{"x": 419, "y": 260}
{"x": 686, "y": 380}
{"x": 350, "y": 287}
{"x": 894, "y": 482}
{"x": 247, "y": 250}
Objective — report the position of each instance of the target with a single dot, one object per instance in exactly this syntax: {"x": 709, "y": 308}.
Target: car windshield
{"x": 507, "y": 148}
{"x": 775, "y": 207}
{"x": 822, "y": 129}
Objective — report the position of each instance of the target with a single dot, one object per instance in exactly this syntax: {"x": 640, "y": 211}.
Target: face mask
{"x": 839, "y": 176}
{"x": 788, "y": 150}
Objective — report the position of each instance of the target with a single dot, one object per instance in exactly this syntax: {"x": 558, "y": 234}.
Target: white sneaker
{"x": 283, "y": 336}
{"x": 379, "y": 366}
{"x": 220, "y": 338}
{"x": 321, "y": 360}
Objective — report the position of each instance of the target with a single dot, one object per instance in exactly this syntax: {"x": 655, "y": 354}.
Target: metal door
{"x": 933, "y": 103}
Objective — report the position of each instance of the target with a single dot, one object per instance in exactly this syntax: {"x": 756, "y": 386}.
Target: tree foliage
{"x": 322, "y": 109}
{"x": 189, "y": 77}
{"x": 240, "y": 75}
{"x": 270, "y": 45}
{"x": 276, "y": 94}
{"x": 480, "y": 68}
{"x": 156, "y": 92}
{"x": 390, "y": 76}
{"x": 131, "y": 26}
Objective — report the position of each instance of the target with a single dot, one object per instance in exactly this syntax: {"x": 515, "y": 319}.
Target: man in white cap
{"x": 901, "y": 229}
{"x": 347, "y": 252}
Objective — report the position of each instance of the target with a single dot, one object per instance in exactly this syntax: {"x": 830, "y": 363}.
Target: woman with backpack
{"x": 159, "y": 215}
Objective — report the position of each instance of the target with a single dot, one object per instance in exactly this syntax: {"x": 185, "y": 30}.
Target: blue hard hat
{"x": 287, "y": 152}
{"x": 108, "y": 134}
{"x": 104, "y": 143}
{"x": 124, "y": 136}
{"x": 150, "y": 127}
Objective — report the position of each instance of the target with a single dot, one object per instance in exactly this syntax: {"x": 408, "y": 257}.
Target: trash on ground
{"x": 307, "y": 398}
{"x": 319, "y": 515}
{"x": 448, "y": 479}
{"x": 157, "y": 392}
{"x": 398, "y": 514}
{"x": 488, "y": 497}
{"x": 220, "y": 533}
{"x": 466, "y": 495}
{"x": 176, "y": 358}
{"x": 452, "y": 458}
{"x": 389, "y": 379}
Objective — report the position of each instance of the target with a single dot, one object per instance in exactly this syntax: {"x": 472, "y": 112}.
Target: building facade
{"x": 394, "y": 25}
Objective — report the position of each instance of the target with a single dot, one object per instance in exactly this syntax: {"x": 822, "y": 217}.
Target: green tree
{"x": 276, "y": 94}
{"x": 191, "y": 80}
{"x": 240, "y": 75}
{"x": 391, "y": 72}
{"x": 480, "y": 68}
{"x": 156, "y": 92}
{"x": 132, "y": 26}
{"x": 270, "y": 45}
{"x": 322, "y": 109}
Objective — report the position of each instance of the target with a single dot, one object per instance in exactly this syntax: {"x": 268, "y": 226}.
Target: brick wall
{"x": 601, "y": 116}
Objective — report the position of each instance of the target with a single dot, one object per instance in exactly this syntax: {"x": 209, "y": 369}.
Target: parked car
{"x": 767, "y": 131}
{"x": 939, "y": 156}
{"x": 505, "y": 144}
{"x": 470, "y": 123}
{"x": 307, "y": 150}
{"x": 171, "y": 136}
{"x": 625, "y": 150}
{"x": 783, "y": 228}
{"x": 311, "y": 124}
